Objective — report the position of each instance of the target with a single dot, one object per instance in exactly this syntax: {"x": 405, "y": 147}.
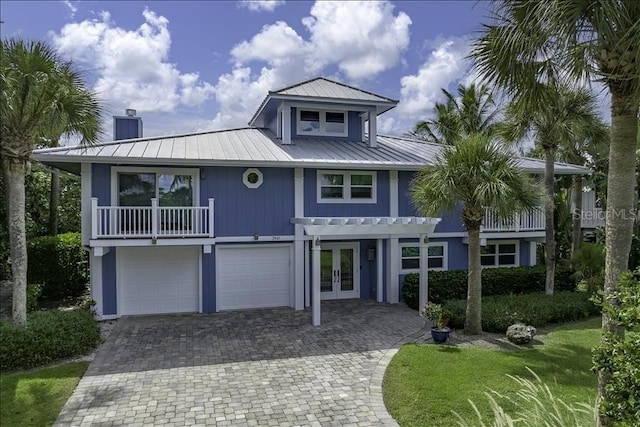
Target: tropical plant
{"x": 619, "y": 356}
{"x": 480, "y": 174}
{"x": 434, "y": 312}
{"x": 472, "y": 110}
{"x": 531, "y": 43}
{"x": 588, "y": 262}
{"x": 568, "y": 117}
{"x": 41, "y": 93}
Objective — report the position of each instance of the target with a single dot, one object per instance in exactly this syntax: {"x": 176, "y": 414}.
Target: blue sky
{"x": 200, "y": 65}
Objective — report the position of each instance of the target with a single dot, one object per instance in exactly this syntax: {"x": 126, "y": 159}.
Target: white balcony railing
{"x": 121, "y": 222}
{"x": 525, "y": 221}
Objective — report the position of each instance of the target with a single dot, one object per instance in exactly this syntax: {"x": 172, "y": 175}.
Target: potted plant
{"x": 435, "y": 313}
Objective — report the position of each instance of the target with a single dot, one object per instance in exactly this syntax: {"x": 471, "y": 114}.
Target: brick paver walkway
{"x": 245, "y": 368}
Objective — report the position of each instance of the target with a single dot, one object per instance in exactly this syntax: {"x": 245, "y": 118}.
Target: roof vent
{"x": 130, "y": 112}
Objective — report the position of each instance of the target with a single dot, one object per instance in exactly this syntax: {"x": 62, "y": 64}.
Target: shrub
{"x": 33, "y": 293}
{"x": 618, "y": 357}
{"x": 451, "y": 285}
{"x": 47, "y": 336}
{"x": 60, "y": 264}
{"x": 537, "y": 309}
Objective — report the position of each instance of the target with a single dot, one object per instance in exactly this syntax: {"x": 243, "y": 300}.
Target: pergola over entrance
{"x": 379, "y": 228}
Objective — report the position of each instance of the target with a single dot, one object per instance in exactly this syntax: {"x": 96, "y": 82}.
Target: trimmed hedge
{"x": 452, "y": 285}
{"x": 60, "y": 264}
{"x": 537, "y": 309}
{"x": 47, "y": 337}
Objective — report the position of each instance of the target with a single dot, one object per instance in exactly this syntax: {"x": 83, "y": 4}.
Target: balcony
{"x": 151, "y": 222}
{"x": 525, "y": 221}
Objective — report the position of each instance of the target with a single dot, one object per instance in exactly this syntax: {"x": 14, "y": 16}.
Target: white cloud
{"x": 72, "y": 8}
{"x": 132, "y": 66}
{"x": 361, "y": 39}
{"x": 261, "y": 5}
{"x": 446, "y": 65}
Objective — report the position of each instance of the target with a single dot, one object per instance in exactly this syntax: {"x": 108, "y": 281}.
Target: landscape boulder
{"x": 520, "y": 333}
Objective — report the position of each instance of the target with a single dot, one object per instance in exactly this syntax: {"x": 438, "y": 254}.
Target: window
{"x": 410, "y": 257}
{"x": 499, "y": 254}
{"x": 346, "y": 187}
{"x": 252, "y": 178}
{"x": 137, "y": 189}
{"x": 320, "y": 122}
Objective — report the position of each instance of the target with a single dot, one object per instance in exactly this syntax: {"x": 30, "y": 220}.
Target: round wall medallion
{"x": 252, "y": 178}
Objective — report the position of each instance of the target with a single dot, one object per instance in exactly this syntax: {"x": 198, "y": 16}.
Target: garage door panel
{"x": 253, "y": 277}
{"x": 155, "y": 280}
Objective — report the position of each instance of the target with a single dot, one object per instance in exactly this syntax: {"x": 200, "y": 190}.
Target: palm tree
{"x": 530, "y": 43}
{"x": 480, "y": 174}
{"x": 582, "y": 151}
{"x": 472, "y": 111}
{"x": 568, "y": 116}
{"x": 39, "y": 91}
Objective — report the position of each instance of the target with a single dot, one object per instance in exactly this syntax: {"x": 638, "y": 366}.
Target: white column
{"x": 315, "y": 282}
{"x": 94, "y": 218}
{"x": 286, "y": 124}
{"x": 373, "y": 128}
{"x": 424, "y": 278}
{"x": 95, "y": 266}
{"x": 380, "y": 271}
{"x": 85, "y": 191}
{"x": 299, "y": 239}
{"x": 393, "y": 292}
{"x": 279, "y": 122}
{"x": 307, "y": 283}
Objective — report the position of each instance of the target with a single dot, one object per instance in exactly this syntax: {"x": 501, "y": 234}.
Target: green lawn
{"x": 35, "y": 397}
{"x": 424, "y": 383}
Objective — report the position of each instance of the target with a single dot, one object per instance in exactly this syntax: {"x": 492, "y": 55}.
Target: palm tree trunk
{"x": 54, "y": 198}
{"x": 620, "y": 214}
{"x": 473, "y": 320}
{"x": 576, "y": 237}
{"x": 17, "y": 237}
{"x": 549, "y": 228}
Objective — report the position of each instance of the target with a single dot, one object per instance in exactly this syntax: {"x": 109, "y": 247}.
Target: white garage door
{"x": 154, "y": 280}
{"x": 253, "y": 276}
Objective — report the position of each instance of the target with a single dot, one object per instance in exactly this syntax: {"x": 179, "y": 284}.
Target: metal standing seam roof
{"x": 260, "y": 147}
{"x": 321, "y": 88}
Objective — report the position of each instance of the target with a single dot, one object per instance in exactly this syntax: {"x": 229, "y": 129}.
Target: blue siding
{"x": 524, "y": 252}
{"x": 127, "y": 128}
{"x": 242, "y": 211}
{"x": 458, "y": 254}
{"x": 313, "y": 208}
{"x": 368, "y": 271}
{"x": 101, "y": 183}
{"x": 209, "y": 282}
{"x": 450, "y": 221}
{"x": 109, "y": 296}
{"x": 354, "y": 126}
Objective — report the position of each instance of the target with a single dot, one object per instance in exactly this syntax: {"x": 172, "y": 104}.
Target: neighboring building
{"x": 307, "y": 203}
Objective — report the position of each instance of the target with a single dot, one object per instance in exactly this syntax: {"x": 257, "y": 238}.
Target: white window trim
{"x": 503, "y": 242}
{"x": 253, "y": 185}
{"x": 323, "y": 122}
{"x": 445, "y": 256}
{"x": 347, "y": 186}
{"x": 115, "y": 170}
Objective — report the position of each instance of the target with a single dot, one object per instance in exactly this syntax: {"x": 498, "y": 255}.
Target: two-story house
{"x": 307, "y": 203}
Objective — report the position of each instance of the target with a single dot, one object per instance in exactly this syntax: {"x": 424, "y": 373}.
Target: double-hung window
{"x": 410, "y": 257}
{"x": 346, "y": 187}
{"x": 500, "y": 254}
{"x": 322, "y": 122}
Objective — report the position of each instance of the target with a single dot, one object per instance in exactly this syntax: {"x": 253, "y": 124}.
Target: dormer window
{"x": 322, "y": 122}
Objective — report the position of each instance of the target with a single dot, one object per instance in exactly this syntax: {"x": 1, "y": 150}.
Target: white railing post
{"x": 211, "y": 230}
{"x": 94, "y": 218}
{"x": 154, "y": 218}
{"x": 517, "y": 221}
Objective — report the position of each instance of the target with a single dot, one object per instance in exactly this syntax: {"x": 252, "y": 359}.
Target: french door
{"x": 339, "y": 270}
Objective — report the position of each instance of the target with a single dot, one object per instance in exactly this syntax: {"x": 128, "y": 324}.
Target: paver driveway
{"x": 255, "y": 368}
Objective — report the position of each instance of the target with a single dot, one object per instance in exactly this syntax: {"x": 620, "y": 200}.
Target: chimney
{"x": 128, "y": 126}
